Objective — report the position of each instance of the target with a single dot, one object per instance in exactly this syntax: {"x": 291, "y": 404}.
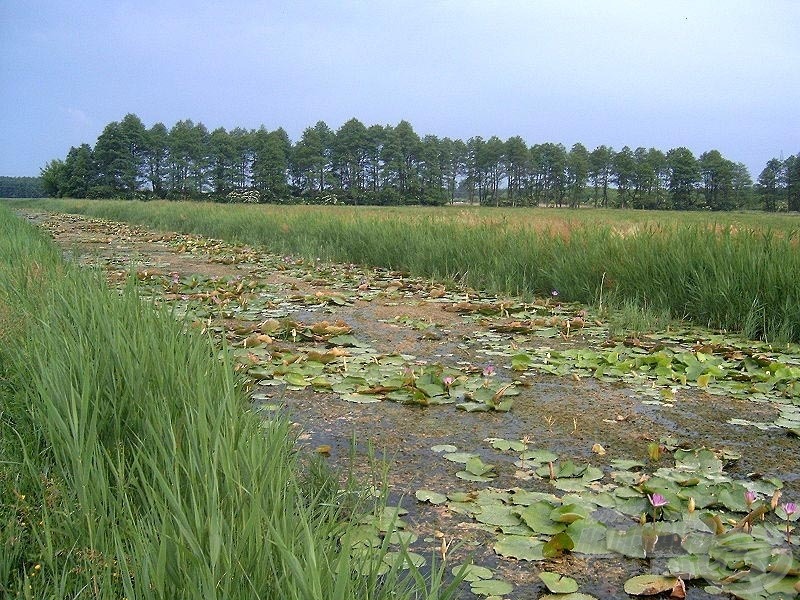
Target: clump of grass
{"x": 132, "y": 467}
{"x": 726, "y": 275}
{"x": 629, "y": 318}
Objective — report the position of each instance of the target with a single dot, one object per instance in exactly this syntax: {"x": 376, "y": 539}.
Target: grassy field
{"x": 132, "y": 468}
{"x": 733, "y": 271}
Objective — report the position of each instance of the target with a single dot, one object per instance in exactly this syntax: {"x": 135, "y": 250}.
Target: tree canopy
{"x": 393, "y": 164}
{"x": 21, "y": 187}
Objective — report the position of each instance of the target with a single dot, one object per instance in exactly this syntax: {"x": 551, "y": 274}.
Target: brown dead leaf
{"x": 679, "y": 589}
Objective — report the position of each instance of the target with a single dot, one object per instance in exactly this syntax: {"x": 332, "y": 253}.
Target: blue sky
{"x": 702, "y": 74}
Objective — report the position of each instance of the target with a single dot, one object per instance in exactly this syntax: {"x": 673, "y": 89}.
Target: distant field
{"x": 734, "y": 271}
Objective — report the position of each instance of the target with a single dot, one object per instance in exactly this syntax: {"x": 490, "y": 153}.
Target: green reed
{"x": 132, "y": 468}
{"x": 737, "y": 272}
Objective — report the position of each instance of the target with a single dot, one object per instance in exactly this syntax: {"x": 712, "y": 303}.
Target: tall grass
{"x": 131, "y": 468}
{"x": 738, "y": 273}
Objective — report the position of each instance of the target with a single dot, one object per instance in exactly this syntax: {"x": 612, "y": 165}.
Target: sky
{"x": 721, "y": 74}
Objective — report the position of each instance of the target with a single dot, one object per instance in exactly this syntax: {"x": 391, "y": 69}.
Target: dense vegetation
{"x": 736, "y": 273}
{"x": 389, "y": 165}
{"x": 21, "y": 187}
{"x": 131, "y": 467}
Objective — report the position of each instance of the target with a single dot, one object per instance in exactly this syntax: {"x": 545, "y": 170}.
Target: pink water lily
{"x": 789, "y": 508}
{"x": 448, "y": 381}
{"x": 657, "y": 501}
{"x": 750, "y": 497}
{"x": 489, "y": 371}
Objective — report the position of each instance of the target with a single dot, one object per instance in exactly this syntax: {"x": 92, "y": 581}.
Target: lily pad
{"x": 557, "y": 583}
{"x": 404, "y": 559}
{"x": 491, "y": 587}
{"x": 537, "y": 517}
{"x": 444, "y": 448}
{"x": 503, "y": 445}
{"x": 430, "y": 497}
{"x": 459, "y": 457}
{"x": 539, "y": 456}
{"x": 557, "y": 545}
{"x": 569, "y": 513}
{"x": 472, "y": 572}
{"x": 477, "y": 467}
{"x": 520, "y": 547}
{"x": 649, "y": 585}
{"x": 589, "y": 536}
{"x": 500, "y": 516}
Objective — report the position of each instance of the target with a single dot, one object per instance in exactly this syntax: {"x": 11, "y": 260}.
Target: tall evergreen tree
{"x": 791, "y": 175}
{"x": 624, "y": 174}
{"x": 769, "y": 185}
{"x": 80, "y": 173}
{"x": 684, "y": 174}
{"x": 223, "y": 160}
{"x": 717, "y": 177}
{"x": 155, "y": 154}
{"x": 517, "y": 166}
{"x": 600, "y": 169}
{"x": 271, "y": 165}
{"x": 53, "y": 176}
{"x": 577, "y": 173}
{"x": 350, "y": 150}
{"x": 119, "y": 155}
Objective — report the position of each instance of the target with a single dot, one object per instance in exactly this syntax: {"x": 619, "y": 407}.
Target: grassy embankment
{"x": 131, "y": 468}
{"x": 737, "y": 272}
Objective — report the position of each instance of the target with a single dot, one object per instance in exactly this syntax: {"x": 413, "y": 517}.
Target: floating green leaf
{"x": 569, "y": 513}
{"x": 557, "y": 545}
{"x": 649, "y": 585}
{"x": 503, "y": 445}
{"x": 519, "y": 546}
{"x": 498, "y": 515}
{"x": 471, "y": 572}
{"x": 476, "y": 466}
{"x": 430, "y": 497}
{"x": 491, "y": 587}
{"x": 444, "y": 448}
{"x": 557, "y": 583}
{"x": 405, "y": 559}
{"x": 537, "y": 517}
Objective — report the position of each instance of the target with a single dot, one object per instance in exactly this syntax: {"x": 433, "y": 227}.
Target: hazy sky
{"x": 703, "y": 74}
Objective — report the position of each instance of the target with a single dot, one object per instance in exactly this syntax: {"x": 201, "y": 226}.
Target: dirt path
{"x": 396, "y": 315}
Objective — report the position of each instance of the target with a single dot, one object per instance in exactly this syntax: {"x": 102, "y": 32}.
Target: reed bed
{"x": 736, "y": 272}
{"x": 132, "y": 468}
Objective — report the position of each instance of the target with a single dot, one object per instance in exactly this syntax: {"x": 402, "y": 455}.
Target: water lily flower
{"x": 448, "y": 381}
{"x": 554, "y": 293}
{"x": 749, "y": 498}
{"x": 789, "y": 508}
{"x": 489, "y": 371}
{"x": 657, "y": 501}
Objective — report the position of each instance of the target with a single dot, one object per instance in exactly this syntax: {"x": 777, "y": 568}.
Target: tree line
{"x": 357, "y": 164}
{"x": 21, "y": 187}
